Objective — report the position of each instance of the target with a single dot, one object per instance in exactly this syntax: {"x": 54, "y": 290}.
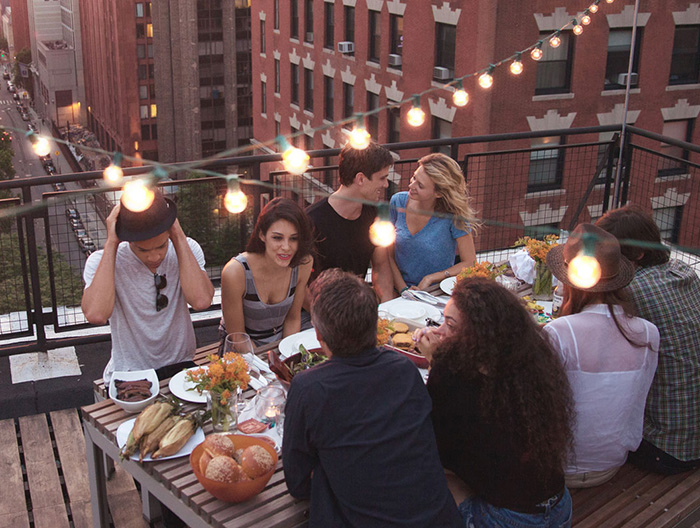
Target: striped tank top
{"x": 263, "y": 322}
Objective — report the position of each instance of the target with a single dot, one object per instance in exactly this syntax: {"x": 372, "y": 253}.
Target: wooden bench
{"x": 637, "y": 498}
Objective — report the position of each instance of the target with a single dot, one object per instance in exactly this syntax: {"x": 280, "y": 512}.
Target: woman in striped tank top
{"x": 262, "y": 290}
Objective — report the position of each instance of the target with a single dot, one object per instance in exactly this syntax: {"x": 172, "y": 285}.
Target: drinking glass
{"x": 240, "y": 343}
{"x": 269, "y": 404}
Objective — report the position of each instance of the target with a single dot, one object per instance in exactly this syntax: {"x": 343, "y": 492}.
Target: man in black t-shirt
{"x": 341, "y": 221}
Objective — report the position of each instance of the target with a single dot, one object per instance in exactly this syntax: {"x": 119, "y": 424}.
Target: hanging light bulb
{"x": 486, "y": 79}
{"x": 235, "y": 200}
{"x": 609, "y": 1}
{"x": 137, "y": 195}
{"x": 593, "y": 8}
{"x": 578, "y": 28}
{"x": 584, "y": 269}
{"x": 585, "y": 20}
{"x": 382, "y": 232}
{"x": 555, "y": 41}
{"x": 40, "y": 144}
{"x": 359, "y": 137}
{"x": 113, "y": 173}
{"x": 536, "y": 52}
{"x": 516, "y": 67}
{"x": 416, "y": 115}
{"x": 295, "y": 160}
{"x": 460, "y": 97}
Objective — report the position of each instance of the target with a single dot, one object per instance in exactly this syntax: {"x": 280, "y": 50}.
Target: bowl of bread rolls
{"x": 233, "y": 468}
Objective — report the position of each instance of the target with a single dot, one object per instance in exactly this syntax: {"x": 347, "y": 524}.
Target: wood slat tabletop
{"x": 273, "y": 507}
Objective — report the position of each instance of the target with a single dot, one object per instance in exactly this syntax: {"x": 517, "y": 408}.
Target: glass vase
{"x": 224, "y": 412}
{"x": 542, "y": 287}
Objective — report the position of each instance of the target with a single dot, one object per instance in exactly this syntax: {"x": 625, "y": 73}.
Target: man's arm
{"x": 98, "y": 297}
{"x": 299, "y": 457}
{"x": 382, "y": 279}
{"x": 195, "y": 283}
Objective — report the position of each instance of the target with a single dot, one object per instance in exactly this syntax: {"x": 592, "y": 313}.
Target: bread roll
{"x": 256, "y": 461}
{"x": 204, "y": 462}
{"x": 402, "y": 341}
{"x": 399, "y": 327}
{"x": 218, "y": 445}
{"x": 225, "y": 469}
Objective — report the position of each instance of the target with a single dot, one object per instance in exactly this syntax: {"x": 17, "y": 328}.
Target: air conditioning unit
{"x": 346, "y": 47}
{"x": 622, "y": 79}
{"x": 394, "y": 60}
{"x": 309, "y": 37}
{"x": 441, "y": 73}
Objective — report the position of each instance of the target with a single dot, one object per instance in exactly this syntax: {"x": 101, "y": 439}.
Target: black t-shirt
{"x": 486, "y": 456}
{"x": 342, "y": 243}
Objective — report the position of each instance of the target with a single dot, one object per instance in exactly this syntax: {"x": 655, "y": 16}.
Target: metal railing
{"x": 519, "y": 185}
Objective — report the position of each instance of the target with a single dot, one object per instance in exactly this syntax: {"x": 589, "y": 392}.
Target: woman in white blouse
{"x": 609, "y": 355}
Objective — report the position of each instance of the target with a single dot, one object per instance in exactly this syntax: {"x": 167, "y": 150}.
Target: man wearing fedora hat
{"x": 141, "y": 282}
{"x": 609, "y": 356}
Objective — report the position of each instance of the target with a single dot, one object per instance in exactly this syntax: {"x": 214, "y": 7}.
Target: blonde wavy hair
{"x": 449, "y": 182}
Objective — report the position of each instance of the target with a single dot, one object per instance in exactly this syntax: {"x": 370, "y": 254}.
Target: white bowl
{"x": 134, "y": 407}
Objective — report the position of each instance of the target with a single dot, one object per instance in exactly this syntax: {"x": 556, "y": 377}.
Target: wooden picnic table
{"x": 172, "y": 482}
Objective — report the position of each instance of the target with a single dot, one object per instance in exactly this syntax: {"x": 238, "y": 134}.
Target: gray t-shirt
{"x": 142, "y": 337}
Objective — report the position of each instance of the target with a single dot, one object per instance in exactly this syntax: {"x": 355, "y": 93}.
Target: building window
{"x": 277, "y": 76}
{"x": 295, "y": 137}
{"x": 554, "y": 68}
{"x": 393, "y": 135}
{"x": 149, "y": 30}
{"x": 308, "y": 89}
{"x": 154, "y": 110}
{"x": 445, "y": 41}
{"x": 348, "y": 102}
{"x": 441, "y": 129}
{"x": 308, "y": 143}
{"x": 685, "y": 60}
{"x": 668, "y": 219}
{"x": 143, "y": 92}
{"x": 263, "y": 97}
{"x": 294, "y": 74}
{"x": 145, "y": 132}
{"x": 374, "y": 36}
{"x": 150, "y": 51}
{"x": 276, "y": 14}
{"x": 309, "y": 21}
{"x": 396, "y": 35}
{"x": 278, "y": 128}
{"x": 262, "y": 36}
{"x": 546, "y": 164}
{"x": 154, "y": 131}
{"x": 143, "y": 72}
{"x": 139, "y": 10}
{"x": 329, "y": 22}
{"x": 619, "y": 46}
{"x": 294, "y": 19}
{"x": 372, "y": 116}
{"x": 328, "y": 98}
{"x": 349, "y": 23}
{"x": 143, "y": 111}
{"x": 682, "y": 131}
{"x": 141, "y": 51}
{"x": 140, "y": 31}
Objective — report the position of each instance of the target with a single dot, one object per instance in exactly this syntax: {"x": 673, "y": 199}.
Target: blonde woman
{"x": 425, "y": 247}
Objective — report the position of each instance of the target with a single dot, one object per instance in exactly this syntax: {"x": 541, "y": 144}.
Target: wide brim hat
{"x": 616, "y": 270}
{"x": 158, "y": 218}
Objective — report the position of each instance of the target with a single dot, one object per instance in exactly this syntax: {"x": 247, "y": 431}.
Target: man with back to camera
{"x": 666, "y": 292}
{"x": 341, "y": 221}
{"x": 358, "y": 438}
{"x": 141, "y": 282}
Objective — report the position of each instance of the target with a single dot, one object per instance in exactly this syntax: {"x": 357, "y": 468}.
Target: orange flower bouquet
{"x": 538, "y": 249}
{"x": 221, "y": 383}
{"x": 483, "y": 269}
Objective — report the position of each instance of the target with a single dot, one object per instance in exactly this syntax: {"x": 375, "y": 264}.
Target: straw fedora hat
{"x": 616, "y": 270}
{"x": 135, "y": 227}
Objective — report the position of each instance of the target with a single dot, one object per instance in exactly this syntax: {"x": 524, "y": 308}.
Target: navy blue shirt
{"x": 359, "y": 442}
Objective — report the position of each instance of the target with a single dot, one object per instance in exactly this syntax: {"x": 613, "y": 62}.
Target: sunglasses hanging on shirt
{"x": 161, "y": 299}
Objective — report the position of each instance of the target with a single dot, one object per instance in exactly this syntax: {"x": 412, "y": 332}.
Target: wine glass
{"x": 240, "y": 343}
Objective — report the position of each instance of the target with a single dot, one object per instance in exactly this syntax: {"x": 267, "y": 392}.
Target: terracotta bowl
{"x": 238, "y": 491}
{"x": 280, "y": 366}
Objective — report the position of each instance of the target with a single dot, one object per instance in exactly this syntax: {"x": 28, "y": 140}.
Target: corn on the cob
{"x": 146, "y": 422}
{"x": 177, "y": 437}
{"x": 149, "y": 442}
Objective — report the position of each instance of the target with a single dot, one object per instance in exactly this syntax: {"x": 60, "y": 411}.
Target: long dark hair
{"x": 283, "y": 209}
{"x": 524, "y": 386}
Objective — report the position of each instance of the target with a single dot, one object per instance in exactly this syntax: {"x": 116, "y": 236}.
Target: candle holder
{"x": 269, "y": 404}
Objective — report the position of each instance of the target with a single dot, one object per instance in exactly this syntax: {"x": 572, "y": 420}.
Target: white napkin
{"x": 523, "y": 266}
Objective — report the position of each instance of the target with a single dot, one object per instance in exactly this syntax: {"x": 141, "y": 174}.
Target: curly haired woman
{"x": 501, "y": 410}
{"x": 424, "y": 252}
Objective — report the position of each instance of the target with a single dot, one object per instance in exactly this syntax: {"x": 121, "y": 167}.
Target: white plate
{"x": 126, "y": 427}
{"x": 184, "y": 389}
{"x": 412, "y": 310}
{"x": 290, "y": 344}
{"x": 448, "y": 284}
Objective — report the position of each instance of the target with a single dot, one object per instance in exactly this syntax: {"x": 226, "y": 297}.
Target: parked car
{"x": 72, "y": 213}
{"x": 60, "y": 186}
{"x": 49, "y": 167}
{"x": 87, "y": 244}
{"x": 15, "y": 96}
{"x": 6, "y": 76}
{"x": 32, "y": 127}
{"x": 11, "y": 87}
{"x": 76, "y": 223}
{"x": 25, "y": 116}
